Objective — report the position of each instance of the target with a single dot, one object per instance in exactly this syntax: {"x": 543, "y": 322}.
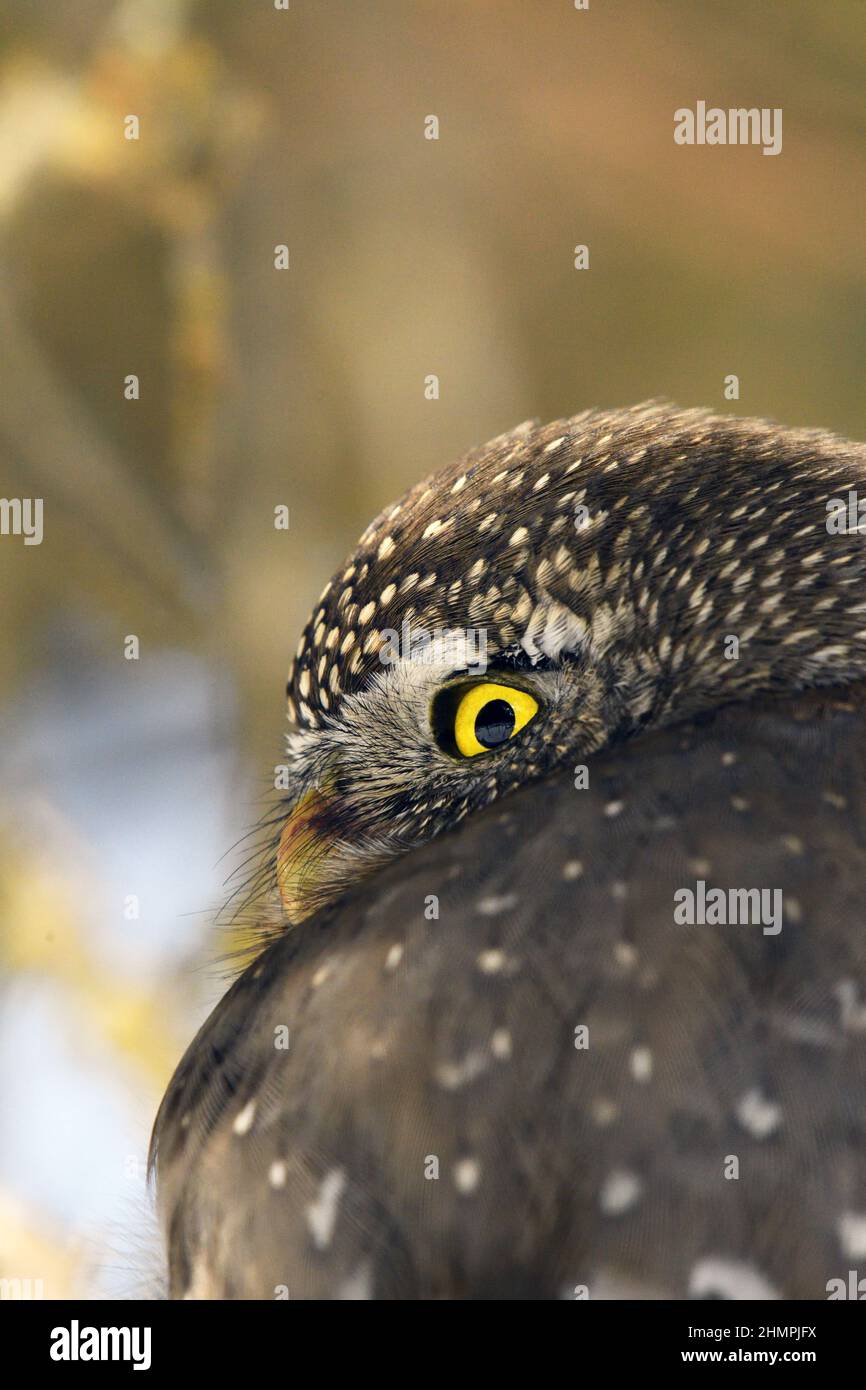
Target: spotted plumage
{"x": 511, "y": 1071}
{"x": 608, "y": 531}
{"x": 608, "y": 559}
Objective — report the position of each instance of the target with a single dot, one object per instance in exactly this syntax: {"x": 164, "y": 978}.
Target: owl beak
{"x": 305, "y": 844}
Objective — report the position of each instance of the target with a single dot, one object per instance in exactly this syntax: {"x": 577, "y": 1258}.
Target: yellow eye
{"x": 488, "y": 715}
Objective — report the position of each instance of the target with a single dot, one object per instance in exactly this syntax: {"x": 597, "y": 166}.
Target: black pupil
{"x": 494, "y": 723}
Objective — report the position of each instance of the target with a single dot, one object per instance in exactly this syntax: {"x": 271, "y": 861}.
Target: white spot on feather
{"x": 244, "y": 1119}
{"x": 620, "y": 1191}
{"x": 493, "y": 905}
{"x": 851, "y": 1227}
{"x": 759, "y": 1116}
{"x": 715, "y": 1276}
{"x": 277, "y": 1174}
{"x": 322, "y": 1214}
{"x": 467, "y": 1175}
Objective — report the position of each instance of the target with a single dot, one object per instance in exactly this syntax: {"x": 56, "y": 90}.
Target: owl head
{"x": 559, "y": 588}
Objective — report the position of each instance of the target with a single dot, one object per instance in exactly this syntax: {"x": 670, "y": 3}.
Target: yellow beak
{"x": 303, "y": 848}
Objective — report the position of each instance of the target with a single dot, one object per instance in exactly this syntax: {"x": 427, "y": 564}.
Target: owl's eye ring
{"x": 469, "y": 720}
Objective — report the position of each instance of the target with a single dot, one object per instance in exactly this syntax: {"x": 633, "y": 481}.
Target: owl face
{"x": 429, "y": 739}
{"x": 445, "y": 664}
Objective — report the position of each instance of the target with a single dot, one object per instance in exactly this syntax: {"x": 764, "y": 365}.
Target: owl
{"x": 562, "y": 994}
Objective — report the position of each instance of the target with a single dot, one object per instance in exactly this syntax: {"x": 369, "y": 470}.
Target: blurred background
{"x": 124, "y": 784}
